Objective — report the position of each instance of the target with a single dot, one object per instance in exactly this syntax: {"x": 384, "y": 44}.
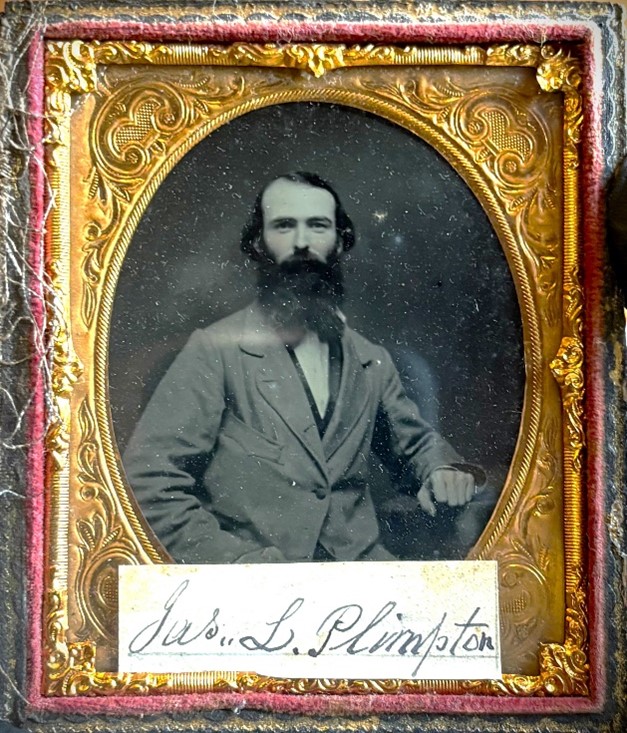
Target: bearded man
{"x": 255, "y": 446}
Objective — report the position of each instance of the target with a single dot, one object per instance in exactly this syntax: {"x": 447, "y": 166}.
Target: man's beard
{"x": 302, "y": 293}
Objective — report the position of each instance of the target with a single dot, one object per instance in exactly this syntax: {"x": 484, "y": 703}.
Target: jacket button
{"x": 320, "y": 493}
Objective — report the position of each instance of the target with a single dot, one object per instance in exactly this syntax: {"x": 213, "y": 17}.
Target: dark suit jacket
{"x": 227, "y": 463}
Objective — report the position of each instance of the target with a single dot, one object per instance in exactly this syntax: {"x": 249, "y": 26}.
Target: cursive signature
{"x": 348, "y": 629}
{"x": 368, "y": 638}
{"x": 169, "y": 629}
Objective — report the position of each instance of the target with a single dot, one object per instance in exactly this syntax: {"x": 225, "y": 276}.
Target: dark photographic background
{"x": 427, "y": 279}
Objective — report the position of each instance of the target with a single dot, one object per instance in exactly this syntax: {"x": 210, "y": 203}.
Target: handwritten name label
{"x": 407, "y": 620}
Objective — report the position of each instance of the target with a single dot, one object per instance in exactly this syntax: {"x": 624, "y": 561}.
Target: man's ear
{"x": 257, "y": 246}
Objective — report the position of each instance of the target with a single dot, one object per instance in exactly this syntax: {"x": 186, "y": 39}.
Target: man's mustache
{"x": 302, "y": 274}
{"x": 305, "y": 264}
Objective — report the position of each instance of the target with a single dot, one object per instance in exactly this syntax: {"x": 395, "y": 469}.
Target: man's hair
{"x": 252, "y": 233}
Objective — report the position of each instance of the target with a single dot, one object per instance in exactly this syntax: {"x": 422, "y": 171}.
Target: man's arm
{"x": 169, "y": 452}
{"x": 442, "y": 474}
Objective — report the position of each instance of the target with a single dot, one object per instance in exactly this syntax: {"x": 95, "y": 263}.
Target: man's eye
{"x": 320, "y": 226}
{"x": 283, "y": 226}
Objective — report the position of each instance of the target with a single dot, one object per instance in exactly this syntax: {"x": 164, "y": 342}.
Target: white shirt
{"x": 313, "y": 357}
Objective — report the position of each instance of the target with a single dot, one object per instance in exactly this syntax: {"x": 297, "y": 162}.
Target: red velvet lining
{"x": 292, "y": 31}
{"x": 593, "y": 274}
{"x": 316, "y": 704}
{"x": 36, "y": 559}
{"x": 594, "y": 262}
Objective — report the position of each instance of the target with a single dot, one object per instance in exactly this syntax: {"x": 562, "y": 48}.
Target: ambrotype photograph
{"x": 316, "y": 347}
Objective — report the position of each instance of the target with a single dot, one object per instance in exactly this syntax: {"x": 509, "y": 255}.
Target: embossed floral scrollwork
{"x": 512, "y": 146}
{"x": 557, "y": 69}
{"x": 66, "y": 367}
{"x": 57, "y": 653}
{"x": 316, "y": 58}
{"x": 135, "y": 123}
{"x": 111, "y": 52}
{"x": 78, "y": 676}
{"x": 560, "y": 71}
{"x": 567, "y": 368}
{"x": 71, "y": 66}
{"x": 66, "y": 370}
{"x": 102, "y": 550}
{"x": 132, "y": 133}
{"x": 70, "y": 69}
{"x": 249, "y": 682}
{"x": 524, "y": 590}
{"x": 71, "y": 667}
{"x": 513, "y": 54}
{"x": 103, "y": 544}
{"x": 564, "y": 668}
{"x": 82, "y": 678}
{"x": 319, "y": 58}
{"x": 573, "y": 302}
{"x": 525, "y": 555}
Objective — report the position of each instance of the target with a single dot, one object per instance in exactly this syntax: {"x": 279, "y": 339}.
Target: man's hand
{"x": 446, "y": 486}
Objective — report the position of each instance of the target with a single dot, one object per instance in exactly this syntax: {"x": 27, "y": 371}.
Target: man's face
{"x": 298, "y": 219}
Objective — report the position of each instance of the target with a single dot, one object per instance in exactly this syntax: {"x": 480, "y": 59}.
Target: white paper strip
{"x": 407, "y": 620}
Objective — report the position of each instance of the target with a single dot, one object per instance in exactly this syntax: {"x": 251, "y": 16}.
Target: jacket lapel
{"x": 353, "y": 397}
{"x": 279, "y": 384}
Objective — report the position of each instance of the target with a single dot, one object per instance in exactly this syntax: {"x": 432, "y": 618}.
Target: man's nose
{"x": 301, "y": 238}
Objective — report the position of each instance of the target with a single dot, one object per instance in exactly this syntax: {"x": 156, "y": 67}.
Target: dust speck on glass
{"x": 426, "y": 279}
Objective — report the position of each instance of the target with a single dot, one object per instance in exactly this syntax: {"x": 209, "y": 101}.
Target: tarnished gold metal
{"x": 120, "y": 115}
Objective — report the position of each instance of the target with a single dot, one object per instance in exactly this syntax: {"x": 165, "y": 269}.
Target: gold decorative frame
{"x": 118, "y": 119}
